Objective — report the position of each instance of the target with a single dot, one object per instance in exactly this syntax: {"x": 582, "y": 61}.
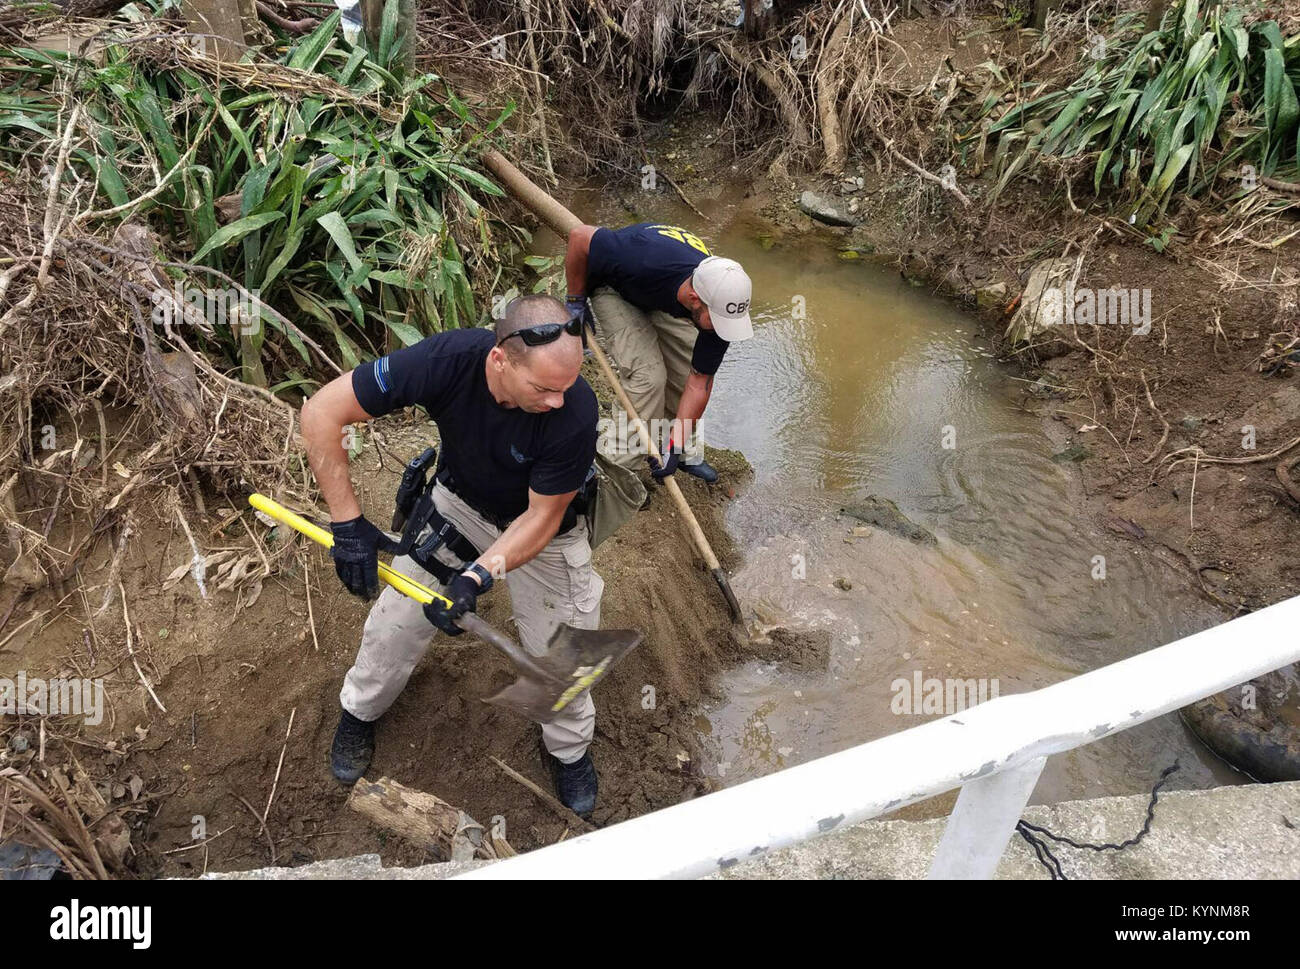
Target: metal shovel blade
{"x": 575, "y": 660}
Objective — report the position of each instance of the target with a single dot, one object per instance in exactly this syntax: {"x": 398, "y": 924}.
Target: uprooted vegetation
{"x": 171, "y": 219}
{"x": 191, "y": 246}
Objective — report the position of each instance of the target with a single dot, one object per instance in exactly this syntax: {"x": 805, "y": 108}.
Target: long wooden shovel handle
{"x": 679, "y": 499}
{"x": 563, "y": 221}
{"x": 404, "y": 584}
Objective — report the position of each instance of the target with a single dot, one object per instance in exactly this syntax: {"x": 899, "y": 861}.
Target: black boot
{"x": 703, "y": 470}
{"x": 575, "y": 784}
{"x": 354, "y": 745}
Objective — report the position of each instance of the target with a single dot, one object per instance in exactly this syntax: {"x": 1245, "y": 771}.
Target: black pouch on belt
{"x": 414, "y": 511}
{"x": 414, "y": 483}
{"x": 443, "y": 532}
{"x": 582, "y": 502}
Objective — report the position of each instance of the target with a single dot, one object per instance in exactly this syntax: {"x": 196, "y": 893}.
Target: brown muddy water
{"x": 856, "y": 384}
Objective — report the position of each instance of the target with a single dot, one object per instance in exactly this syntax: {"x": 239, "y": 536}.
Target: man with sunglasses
{"x": 518, "y": 437}
{"x": 667, "y": 310}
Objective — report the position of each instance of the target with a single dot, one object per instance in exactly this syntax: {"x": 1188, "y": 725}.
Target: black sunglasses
{"x": 536, "y": 336}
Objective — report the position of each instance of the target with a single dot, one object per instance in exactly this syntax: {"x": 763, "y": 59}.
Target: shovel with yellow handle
{"x": 575, "y": 659}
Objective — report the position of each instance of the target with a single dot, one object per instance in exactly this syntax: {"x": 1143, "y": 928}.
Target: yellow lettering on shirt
{"x": 682, "y": 236}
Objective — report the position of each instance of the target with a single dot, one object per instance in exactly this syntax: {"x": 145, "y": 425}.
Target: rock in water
{"x": 883, "y": 513}
{"x": 1075, "y": 452}
{"x": 824, "y": 210}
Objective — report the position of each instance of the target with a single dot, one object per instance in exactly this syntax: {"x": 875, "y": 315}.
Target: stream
{"x": 858, "y": 385}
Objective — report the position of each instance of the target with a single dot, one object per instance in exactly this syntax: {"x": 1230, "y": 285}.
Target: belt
{"x": 445, "y": 478}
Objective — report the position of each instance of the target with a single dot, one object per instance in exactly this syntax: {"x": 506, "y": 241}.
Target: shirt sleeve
{"x": 564, "y": 467}
{"x": 412, "y": 375}
{"x": 601, "y": 254}
{"x": 709, "y": 350}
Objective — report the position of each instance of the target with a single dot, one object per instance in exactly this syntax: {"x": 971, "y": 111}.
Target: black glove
{"x": 578, "y": 306}
{"x": 659, "y": 472}
{"x": 357, "y": 544}
{"x": 463, "y": 593}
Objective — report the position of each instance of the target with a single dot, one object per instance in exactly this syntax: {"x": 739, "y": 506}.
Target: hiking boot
{"x": 703, "y": 470}
{"x": 354, "y": 745}
{"x": 575, "y": 784}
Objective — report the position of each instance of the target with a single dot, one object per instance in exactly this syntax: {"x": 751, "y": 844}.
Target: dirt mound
{"x": 800, "y": 649}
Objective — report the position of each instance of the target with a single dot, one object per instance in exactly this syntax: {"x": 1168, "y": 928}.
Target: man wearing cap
{"x": 667, "y": 310}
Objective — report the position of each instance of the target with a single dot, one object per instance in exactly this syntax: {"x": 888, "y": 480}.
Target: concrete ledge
{"x": 1250, "y": 831}
{"x": 358, "y": 867}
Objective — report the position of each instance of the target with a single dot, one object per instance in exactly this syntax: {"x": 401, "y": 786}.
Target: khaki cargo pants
{"x": 652, "y": 355}
{"x": 558, "y": 585}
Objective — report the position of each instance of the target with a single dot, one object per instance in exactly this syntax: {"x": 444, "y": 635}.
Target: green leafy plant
{"x": 1014, "y": 12}
{"x": 1169, "y": 108}
{"x": 550, "y": 274}
{"x": 327, "y": 183}
{"x": 1160, "y": 241}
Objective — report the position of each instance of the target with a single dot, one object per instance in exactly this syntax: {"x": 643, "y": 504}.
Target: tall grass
{"x": 1169, "y": 109}
{"x": 326, "y": 181}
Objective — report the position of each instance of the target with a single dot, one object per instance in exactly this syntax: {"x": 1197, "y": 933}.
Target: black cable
{"x": 1045, "y": 856}
{"x": 1030, "y": 833}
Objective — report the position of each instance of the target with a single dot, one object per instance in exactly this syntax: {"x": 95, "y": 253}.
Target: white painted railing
{"x": 994, "y": 752}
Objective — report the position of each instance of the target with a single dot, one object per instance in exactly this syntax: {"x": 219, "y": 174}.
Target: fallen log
{"x": 1268, "y": 756}
{"x": 425, "y": 820}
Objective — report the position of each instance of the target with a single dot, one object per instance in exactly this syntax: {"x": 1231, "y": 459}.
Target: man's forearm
{"x": 575, "y": 262}
{"x": 329, "y": 463}
{"x": 695, "y": 398}
{"x": 526, "y": 536}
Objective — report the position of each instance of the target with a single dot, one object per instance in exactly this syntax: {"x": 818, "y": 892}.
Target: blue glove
{"x": 659, "y": 472}
{"x": 357, "y": 544}
{"x": 578, "y": 307}
{"x": 463, "y": 593}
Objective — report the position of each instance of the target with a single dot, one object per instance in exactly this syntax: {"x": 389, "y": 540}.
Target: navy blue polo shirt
{"x": 646, "y": 264}
{"x": 495, "y": 454}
